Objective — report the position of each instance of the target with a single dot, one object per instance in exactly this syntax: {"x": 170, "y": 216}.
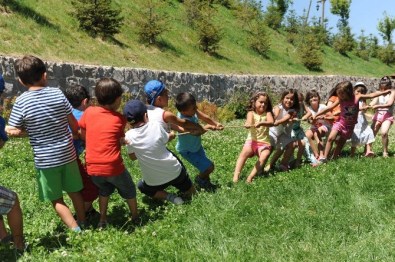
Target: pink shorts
{"x": 345, "y": 132}
{"x": 257, "y": 147}
{"x": 382, "y": 116}
{"x": 325, "y": 128}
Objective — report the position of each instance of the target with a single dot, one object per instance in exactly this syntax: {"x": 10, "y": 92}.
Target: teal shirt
{"x": 188, "y": 143}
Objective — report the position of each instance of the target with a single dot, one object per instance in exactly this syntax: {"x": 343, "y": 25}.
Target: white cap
{"x": 359, "y": 84}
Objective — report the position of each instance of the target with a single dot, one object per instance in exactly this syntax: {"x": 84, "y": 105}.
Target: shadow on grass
{"x": 26, "y": 11}
{"x": 115, "y": 41}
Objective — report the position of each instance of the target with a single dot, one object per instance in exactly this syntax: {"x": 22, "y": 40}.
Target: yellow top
{"x": 260, "y": 134}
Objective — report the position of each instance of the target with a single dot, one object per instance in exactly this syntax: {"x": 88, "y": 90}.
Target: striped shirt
{"x": 43, "y": 113}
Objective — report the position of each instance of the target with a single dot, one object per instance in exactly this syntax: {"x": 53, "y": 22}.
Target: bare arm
{"x": 73, "y": 124}
{"x": 269, "y": 120}
{"x": 389, "y": 103}
{"x": 328, "y": 109}
{"x": 212, "y": 124}
{"x": 193, "y": 128}
{"x": 15, "y": 131}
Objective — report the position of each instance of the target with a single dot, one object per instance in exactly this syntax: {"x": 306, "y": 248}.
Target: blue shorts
{"x": 198, "y": 159}
{"x": 182, "y": 183}
{"x": 123, "y": 183}
{"x": 7, "y": 200}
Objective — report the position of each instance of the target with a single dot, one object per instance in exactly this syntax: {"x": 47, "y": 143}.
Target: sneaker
{"x": 205, "y": 184}
{"x": 102, "y": 224}
{"x": 176, "y": 200}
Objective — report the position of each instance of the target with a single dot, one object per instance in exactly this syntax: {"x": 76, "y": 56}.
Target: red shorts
{"x": 343, "y": 130}
{"x": 257, "y": 147}
{"x": 381, "y": 116}
{"x": 90, "y": 191}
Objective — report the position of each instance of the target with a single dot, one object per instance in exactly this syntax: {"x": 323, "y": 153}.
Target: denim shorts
{"x": 123, "y": 183}
{"x": 7, "y": 200}
{"x": 182, "y": 183}
{"x": 198, "y": 159}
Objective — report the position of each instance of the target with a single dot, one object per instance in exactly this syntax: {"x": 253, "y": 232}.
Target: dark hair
{"x": 107, "y": 90}
{"x": 385, "y": 82}
{"x": 30, "y": 69}
{"x": 310, "y": 95}
{"x": 254, "y": 98}
{"x": 295, "y": 106}
{"x": 362, "y": 89}
{"x": 76, "y": 94}
{"x": 346, "y": 88}
{"x": 184, "y": 101}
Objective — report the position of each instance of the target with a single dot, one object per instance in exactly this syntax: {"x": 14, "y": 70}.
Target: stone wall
{"x": 212, "y": 87}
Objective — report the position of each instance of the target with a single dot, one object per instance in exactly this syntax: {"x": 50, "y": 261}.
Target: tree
{"x": 385, "y": 27}
{"x": 259, "y": 39}
{"x": 373, "y": 45}
{"x": 343, "y": 41}
{"x": 309, "y": 50}
{"x": 97, "y": 17}
{"x": 362, "y": 49}
{"x": 387, "y": 54}
{"x": 209, "y": 34}
{"x": 342, "y": 9}
{"x": 151, "y": 24}
{"x": 275, "y": 13}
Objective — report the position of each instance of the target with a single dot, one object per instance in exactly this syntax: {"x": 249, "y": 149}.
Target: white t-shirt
{"x": 156, "y": 114}
{"x": 158, "y": 165}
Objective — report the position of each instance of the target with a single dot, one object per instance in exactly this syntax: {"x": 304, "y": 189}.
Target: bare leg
{"x": 329, "y": 143}
{"x": 339, "y": 146}
{"x": 15, "y": 221}
{"x": 132, "y": 204}
{"x": 64, "y": 213}
{"x": 263, "y": 156}
{"x": 78, "y": 204}
{"x": 3, "y": 230}
{"x": 289, "y": 150}
{"x": 103, "y": 205}
{"x": 385, "y": 126}
{"x": 244, "y": 155}
{"x": 310, "y": 137}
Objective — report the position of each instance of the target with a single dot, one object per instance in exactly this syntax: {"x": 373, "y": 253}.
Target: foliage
{"x": 151, "y": 23}
{"x": 386, "y": 27}
{"x": 237, "y": 103}
{"x": 259, "y": 38}
{"x": 343, "y": 41}
{"x": 341, "y": 8}
{"x": 362, "y": 50}
{"x": 293, "y": 25}
{"x": 193, "y": 9}
{"x": 275, "y": 13}
{"x": 7, "y": 106}
{"x": 309, "y": 50}
{"x": 209, "y": 34}
{"x": 387, "y": 54}
{"x": 248, "y": 11}
{"x": 98, "y": 17}
{"x": 373, "y": 45}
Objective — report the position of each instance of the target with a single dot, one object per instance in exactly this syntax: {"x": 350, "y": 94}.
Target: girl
{"x": 320, "y": 128}
{"x": 383, "y": 117}
{"x": 280, "y": 132}
{"x": 363, "y": 134}
{"x": 349, "y": 108}
{"x": 259, "y": 118}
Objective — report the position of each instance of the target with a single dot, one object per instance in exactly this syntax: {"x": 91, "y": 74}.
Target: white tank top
{"x": 156, "y": 114}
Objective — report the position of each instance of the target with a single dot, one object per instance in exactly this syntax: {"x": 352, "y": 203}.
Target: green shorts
{"x": 53, "y": 181}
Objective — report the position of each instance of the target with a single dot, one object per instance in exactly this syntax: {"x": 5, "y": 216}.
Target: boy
{"x": 45, "y": 114}
{"x": 146, "y": 141}
{"x": 158, "y": 98}
{"x": 79, "y": 98}
{"x": 103, "y": 129}
{"x": 190, "y": 147}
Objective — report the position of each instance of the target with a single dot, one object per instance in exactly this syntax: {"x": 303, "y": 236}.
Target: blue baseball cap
{"x": 152, "y": 89}
{"x": 134, "y": 111}
{"x": 2, "y": 84}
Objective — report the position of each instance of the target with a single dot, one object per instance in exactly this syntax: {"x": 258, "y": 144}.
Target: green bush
{"x": 259, "y": 39}
{"x": 238, "y": 104}
{"x": 209, "y": 34}
{"x": 97, "y": 17}
{"x": 387, "y": 54}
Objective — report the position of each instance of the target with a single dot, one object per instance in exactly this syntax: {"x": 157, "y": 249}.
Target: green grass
{"x": 46, "y": 28}
{"x": 341, "y": 211}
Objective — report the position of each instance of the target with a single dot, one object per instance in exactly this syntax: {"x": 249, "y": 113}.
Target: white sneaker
{"x": 174, "y": 199}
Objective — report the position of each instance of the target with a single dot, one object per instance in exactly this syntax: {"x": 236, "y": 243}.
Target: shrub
{"x": 309, "y": 51}
{"x": 237, "y": 104}
{"x": 209, "y": 34}
{"x": 387, "y": 54}
{"x": 259, "y": 39}
{"x": 344, "y": 42}
{"x": 151, "y": 23}
{"x": 97, "y": 17}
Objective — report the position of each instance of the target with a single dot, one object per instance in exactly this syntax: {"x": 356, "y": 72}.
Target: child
{"x": 383, "y": 118}
{"x": 79, "y": 98}
{"x": 160, "y": 168}
{"x": 349, "y": 108}
{"x": 3, "y": 135}
{"x": 157, "y": 99}
{"x": 46, "y": 115}
{"x": 190, "y": 146}
{"x": 9, "y": 205}
{"x": 280, "y": 132}
{"x": 363, "y": 134}
{"x": 103, "y": 128}
{"x": 319, "y": 128}
{"x": 259, "y": 119}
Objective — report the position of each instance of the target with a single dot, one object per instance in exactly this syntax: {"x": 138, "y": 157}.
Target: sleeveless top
{"x": 260, "y": 134}
{"x": 283, "y": 128}
{"x": 349, "y": 112}
{"x": 382, "y": 100}
{"x": 156, "y": 114}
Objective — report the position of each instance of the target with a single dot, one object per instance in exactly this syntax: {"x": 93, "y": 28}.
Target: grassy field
{"x": 341, "y": 211}
{"x": 37, "y": 27}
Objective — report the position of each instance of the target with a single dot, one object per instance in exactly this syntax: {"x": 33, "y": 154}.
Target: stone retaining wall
{"x": 215, "y": 88}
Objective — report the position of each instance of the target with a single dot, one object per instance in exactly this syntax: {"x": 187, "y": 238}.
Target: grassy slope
{"x": 46, "y": 29}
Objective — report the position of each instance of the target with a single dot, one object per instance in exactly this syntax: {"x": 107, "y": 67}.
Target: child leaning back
{"x": 190, "y": 146}
{"x": 160, "y": 168}
{"x": 103, "y": 129}
{"x": 45, "y": 114}
{"x": 259, "y": 119}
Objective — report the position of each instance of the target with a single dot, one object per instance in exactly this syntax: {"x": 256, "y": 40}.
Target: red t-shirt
{"x": 104, "y": 129}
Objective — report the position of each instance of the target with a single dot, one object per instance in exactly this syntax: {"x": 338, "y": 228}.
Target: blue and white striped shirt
{"x": 43, "y": 113}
